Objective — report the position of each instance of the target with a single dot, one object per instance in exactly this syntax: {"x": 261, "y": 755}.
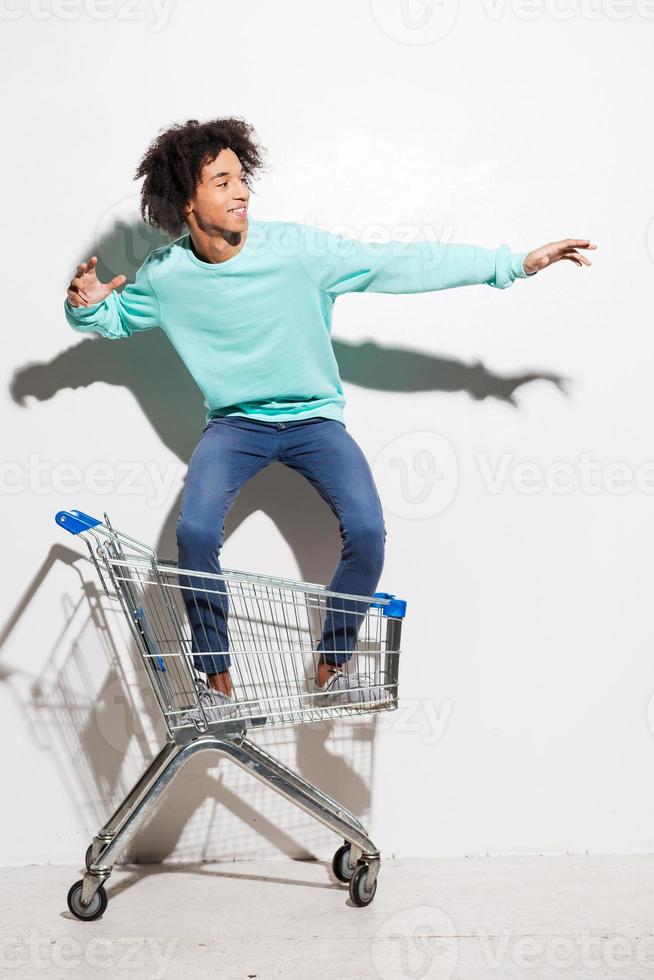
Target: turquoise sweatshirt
{"x": 254, "y": 330}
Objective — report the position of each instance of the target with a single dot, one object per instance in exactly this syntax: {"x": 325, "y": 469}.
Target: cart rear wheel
{"x": 341, "y": 863}
{"x": 361, "y": 892}
{"x": 93, "y": 910}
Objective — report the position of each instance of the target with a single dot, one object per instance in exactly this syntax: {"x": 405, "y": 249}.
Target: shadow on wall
{"x": 149, "y": 367}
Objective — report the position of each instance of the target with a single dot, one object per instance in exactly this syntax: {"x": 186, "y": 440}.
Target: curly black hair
{"x": 172, "y": 165}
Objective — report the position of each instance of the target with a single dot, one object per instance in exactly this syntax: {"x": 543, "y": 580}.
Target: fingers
{"x": 576, "y": 243}
{"x": 77, "y": 287}
{"x": 85, "y": 288}
{"x": 580, "y": 259}
{"x": 76, "y": 294}
{"x": 116, "y": 282}
{"x": 75, "y": 298}
{"x": 85, "y": 267}
{"x": 567, "y": 249}
{"x": 576, "y": 258}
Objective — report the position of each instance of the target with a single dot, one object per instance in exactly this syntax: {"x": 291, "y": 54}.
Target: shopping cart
{"x": 273, "y": 625}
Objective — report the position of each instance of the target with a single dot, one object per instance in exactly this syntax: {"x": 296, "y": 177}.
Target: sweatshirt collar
{"x": 219, "y": 267}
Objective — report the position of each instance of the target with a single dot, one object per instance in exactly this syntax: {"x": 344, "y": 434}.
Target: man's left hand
{"x": 555, "y": 251}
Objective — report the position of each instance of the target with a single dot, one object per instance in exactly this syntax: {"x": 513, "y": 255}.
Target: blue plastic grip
{"x": 144, "y": 626}
{"x": 75, "y": 521}
{"x": 395, "y": 608}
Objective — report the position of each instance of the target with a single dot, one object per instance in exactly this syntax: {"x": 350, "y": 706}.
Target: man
{"x": 248, "y": 306}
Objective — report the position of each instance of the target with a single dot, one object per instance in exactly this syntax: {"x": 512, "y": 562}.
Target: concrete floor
{"x": 459, "y": 919}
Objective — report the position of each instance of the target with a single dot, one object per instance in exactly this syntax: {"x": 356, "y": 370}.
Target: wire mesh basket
{"x": 271, "y": 632}
{"x": 273, "y": 629}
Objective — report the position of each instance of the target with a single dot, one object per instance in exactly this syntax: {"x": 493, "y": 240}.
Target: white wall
{"x": 527, "y": 666}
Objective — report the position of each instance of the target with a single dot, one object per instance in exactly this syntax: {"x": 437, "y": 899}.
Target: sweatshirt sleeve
{"x": 121, "y": 314}
{"x": 337, "y": 264}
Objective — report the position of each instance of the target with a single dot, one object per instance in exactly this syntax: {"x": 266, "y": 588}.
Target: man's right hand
{"x": 85, "y": 288}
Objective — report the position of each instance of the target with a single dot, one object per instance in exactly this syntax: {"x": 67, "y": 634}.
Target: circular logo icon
{"x": 415, "y": 21}
{"x": 418, "y": 943}
{"x": 124, "y": 240}
{"x": 649, "y": 714}
{"x": 418, "y": 474}
{"x": 650, "y": 239}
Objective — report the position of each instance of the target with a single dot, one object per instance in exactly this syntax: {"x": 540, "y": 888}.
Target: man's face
{"x": 221, "y": 196}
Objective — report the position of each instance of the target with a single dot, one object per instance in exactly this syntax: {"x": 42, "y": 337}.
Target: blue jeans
{"x": 231, "y": 450}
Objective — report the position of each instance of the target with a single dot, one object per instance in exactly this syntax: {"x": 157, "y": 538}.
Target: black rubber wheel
{"x": 87, "y": 857}
{"x": 360, "y": 893}
{"x": 93, "y": 910}
{"x": 341, "y": 864}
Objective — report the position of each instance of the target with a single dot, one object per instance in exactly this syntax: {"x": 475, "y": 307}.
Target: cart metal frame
{"x": 272, "y": 648}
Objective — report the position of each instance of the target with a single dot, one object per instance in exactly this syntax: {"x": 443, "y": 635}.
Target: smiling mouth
{"x": 239, "y": 212}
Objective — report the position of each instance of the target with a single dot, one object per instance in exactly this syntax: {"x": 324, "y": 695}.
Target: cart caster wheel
{"x": 360, "y": 893}
{"x": 341, "y": 864}
{"x": 93, "y": 910}
{"x": 88, "y": 860}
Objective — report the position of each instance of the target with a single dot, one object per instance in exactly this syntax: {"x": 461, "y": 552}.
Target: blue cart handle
{"x": 75, "y": 521}
{"x": 396, "y": 607}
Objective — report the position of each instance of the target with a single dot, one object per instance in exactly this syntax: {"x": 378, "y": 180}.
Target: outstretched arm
{"x": 341, "y": 265}
{"x": 96, "y": 307}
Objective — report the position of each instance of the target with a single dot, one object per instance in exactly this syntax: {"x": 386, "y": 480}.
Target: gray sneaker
{"x": 344, "y": 689}
{"x": 216, "y": 706}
